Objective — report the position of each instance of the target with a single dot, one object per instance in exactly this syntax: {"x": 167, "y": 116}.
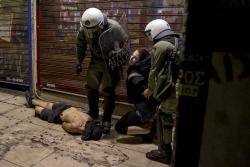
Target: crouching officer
{"x": 108, "y": 44}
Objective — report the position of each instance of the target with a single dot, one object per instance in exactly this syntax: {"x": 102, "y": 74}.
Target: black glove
{"x": 78, "y": 69}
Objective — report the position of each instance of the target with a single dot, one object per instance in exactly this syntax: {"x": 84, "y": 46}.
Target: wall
{"x": 58, "y": 22}
{"x": 14, "y": 42}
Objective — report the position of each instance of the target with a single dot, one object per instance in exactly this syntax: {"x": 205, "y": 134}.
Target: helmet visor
{"x": 148, "y": 35}
{"x": 92, "y": 32}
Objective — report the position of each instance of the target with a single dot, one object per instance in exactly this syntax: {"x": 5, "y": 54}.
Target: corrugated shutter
{"x": 14, "y": 42}
{"x": 58, "y": 22}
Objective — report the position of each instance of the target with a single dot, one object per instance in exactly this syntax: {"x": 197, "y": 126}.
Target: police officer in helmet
{"x": 159, "y": 32}
{"x": 95, "y": 33}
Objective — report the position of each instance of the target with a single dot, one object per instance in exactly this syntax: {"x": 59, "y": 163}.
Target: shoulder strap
{"x": 176, "y": 43}
{"x": 173, "y": 55}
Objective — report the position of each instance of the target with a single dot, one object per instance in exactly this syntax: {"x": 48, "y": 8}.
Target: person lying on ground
{"x": 73, "y": 120}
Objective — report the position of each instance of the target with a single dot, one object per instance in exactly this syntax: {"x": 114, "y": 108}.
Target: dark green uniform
{"x": 161, "y": 51}
{"x": 99, "y": 68}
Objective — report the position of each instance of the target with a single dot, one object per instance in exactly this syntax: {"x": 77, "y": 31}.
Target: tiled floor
{"x": 27, "y": 141}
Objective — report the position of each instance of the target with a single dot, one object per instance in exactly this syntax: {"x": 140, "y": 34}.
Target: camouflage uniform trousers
{"x": 166, "y": 118}
{"x": 98, "y": 74}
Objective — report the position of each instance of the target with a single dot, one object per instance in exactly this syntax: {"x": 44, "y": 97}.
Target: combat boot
{"x": 106, "y": 127}
{"x": 162, "y": 154}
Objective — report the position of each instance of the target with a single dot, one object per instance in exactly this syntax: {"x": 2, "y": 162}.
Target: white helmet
{"x": 92, "y": 17}
{"x": 157, "y": 29}
{"x": 92, "y": 22}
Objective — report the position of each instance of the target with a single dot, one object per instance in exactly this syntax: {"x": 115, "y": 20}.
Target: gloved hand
{"x": 78, "y": 69}
{"x": 147, "y": 93}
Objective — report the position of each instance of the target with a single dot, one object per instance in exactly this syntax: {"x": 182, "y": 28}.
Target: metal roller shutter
{"x": 14, "y": 64}
{"x": 58, "y": 22}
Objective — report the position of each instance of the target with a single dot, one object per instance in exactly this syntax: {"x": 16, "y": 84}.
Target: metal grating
{"x": 14, "y": 65}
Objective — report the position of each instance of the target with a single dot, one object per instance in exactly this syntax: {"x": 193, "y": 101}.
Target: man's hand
{"x": 147, "y": 93}
{"x": 78, "y": 69}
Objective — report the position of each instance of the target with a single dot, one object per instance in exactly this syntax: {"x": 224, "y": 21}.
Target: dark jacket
{"x": 137, "y": 84}
{"x": 103, "y": 45}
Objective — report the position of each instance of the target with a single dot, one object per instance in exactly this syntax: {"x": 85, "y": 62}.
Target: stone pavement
{"x": 27, "y": 141}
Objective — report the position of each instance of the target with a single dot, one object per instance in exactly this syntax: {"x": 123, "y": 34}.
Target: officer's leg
{"x": 164, "y": 137}
{"x": 109, "y": 84}
{"x": 93, "y": 82}
{"x": 93, "y": 100}
{"x": 108, "y": 108}
{"x": 167, "y": 127}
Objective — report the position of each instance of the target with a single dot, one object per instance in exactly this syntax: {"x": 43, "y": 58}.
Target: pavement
{"x": 28, "y": 141}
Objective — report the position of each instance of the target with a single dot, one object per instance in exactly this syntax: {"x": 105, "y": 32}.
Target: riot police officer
{"x": 107, "y": 43}
{"x": 161, "y": 86}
